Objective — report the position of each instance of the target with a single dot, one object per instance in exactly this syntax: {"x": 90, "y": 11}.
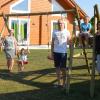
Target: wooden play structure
{"x": 71, "y": 47}
{"x": 92, "y": 83}
{"x": 92, "y": 69}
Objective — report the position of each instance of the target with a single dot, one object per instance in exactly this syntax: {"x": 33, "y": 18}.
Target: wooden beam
{"x": 77, "y": 55}
{"x": 89, "y": 58}
{"x": 39, "y": 13}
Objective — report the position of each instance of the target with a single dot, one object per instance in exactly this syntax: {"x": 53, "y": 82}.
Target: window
{"x": 21, "y": 6}
{"x": 55, "y": 26}
{"x": 57, "y": 7}
{"x": 21, "y": 29}
{"x": 21, "y": 26}
{"x": 14, "y": 25}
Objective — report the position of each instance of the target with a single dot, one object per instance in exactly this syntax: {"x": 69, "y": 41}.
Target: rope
{"x": 28, "y": 34}
{"x": 48, "y": 33}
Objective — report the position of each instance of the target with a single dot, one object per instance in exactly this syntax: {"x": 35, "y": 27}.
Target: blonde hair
{"x": 63, "y": 21}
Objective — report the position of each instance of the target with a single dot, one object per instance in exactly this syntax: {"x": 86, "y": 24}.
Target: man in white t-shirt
{"x": 60, "y": 39}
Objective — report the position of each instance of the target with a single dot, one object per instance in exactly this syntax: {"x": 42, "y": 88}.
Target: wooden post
{"x": 92, "y": 83}
{"x": 71, "y": 50}
{"x": 97, "y": 12}
{"x": 3, "y": 28}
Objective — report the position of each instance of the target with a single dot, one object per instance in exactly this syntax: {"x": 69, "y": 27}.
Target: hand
{"x": 0, "y": 44}
{"x": 16, "y": 52}
{"x": 50, "y": 57}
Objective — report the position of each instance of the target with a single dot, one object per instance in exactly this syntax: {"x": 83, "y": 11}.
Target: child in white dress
{"x": 22, "y": 58}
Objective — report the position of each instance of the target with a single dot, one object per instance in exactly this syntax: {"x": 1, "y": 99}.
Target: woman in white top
{"x": 60, "y": 39}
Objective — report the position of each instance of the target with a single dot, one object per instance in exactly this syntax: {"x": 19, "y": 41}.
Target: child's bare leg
{"x": 19, "y": 67}
{"x": 87, "y": 40}
{"x": 80, "y": 40}
{"x": 22, "y": 66}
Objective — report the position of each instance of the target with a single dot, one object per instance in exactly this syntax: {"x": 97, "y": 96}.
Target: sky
{"x": 88, "y": 6}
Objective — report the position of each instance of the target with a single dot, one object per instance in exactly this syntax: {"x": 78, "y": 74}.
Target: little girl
{"x": 22, "y": 58}
{"x": 97, "y": 47}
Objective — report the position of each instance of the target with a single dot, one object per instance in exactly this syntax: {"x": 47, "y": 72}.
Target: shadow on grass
{"x": 79, "y": 67}
{"x": 78, "y": 91}
{"x": 19, "y": 77}
{"x": 46, "y": 91}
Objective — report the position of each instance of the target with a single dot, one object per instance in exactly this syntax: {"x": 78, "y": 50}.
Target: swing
{"x": 26, "y": 49}
{"x": 49, "y": 54}
{"x": 2, "y": 30}
{"x": 22, "y": 38}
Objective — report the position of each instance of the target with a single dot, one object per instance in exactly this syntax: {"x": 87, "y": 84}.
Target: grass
{"x": 36, "y": 82}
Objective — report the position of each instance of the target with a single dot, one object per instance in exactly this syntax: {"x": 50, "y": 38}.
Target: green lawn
{"x": 36, "y": 82}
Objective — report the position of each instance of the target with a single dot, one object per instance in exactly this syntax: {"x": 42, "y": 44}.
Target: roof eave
{"x": 72, "y": 4}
